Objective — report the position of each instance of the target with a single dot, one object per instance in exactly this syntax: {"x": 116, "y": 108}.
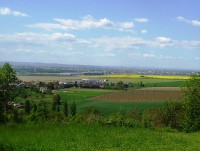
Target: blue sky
{"x": 158, "y": 34}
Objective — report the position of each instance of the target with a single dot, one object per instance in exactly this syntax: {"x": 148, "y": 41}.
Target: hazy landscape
{"x": 99, "y": 75}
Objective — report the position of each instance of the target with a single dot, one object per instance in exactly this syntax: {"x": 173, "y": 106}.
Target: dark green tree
{"x": 192, "y": 103}
{"x": 8, "y": 88}
{"x": 34, "y": 107}
{"x": 50, "y": 86}
{"x": 66, "y": 108}
{"x": 56, "y": 102}
{"x": 27, "y": 107}
{"x": 120, "y": 85}
{"x": 73, "y": 108}
{"x": 8, "y": 82}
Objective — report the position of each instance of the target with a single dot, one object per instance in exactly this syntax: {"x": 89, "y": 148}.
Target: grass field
{"x": 60, "y": 137}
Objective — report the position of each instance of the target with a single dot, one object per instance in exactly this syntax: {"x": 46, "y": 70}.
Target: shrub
{"x": 172, "y": 115}
{"x": 192, "y": 104}
{"x": 89, "y": 116}
{"x": 133, "y": 118}
{"x": 151, "y": 118}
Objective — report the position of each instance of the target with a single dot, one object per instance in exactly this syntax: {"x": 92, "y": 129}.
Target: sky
{"x": 128, "y": 33}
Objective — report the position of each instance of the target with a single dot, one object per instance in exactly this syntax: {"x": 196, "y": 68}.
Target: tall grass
{"x": 48, "y": 136}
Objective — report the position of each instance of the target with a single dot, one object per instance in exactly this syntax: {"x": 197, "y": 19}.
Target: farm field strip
{"x": 136, "y": 76}
{"x": 141, "y": 96}
{"x": 162, "y": 88}
{"x": 111, "y": 77}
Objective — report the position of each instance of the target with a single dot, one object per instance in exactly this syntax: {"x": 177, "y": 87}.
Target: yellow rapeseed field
{"x": 178, "y": 77}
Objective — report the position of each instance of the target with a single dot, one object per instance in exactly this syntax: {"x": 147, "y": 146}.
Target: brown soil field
{"x": 47, "y": 78}
{"x": 142, "y": 95}
{"x": 162, "y": 88}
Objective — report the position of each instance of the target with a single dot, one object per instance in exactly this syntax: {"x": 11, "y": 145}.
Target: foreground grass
{"x": 92, "y": 137}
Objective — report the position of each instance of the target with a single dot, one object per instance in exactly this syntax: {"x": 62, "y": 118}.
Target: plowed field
{"x": 143, "y": 95}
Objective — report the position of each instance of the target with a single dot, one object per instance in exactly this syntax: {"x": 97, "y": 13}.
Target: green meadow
{"x": 62, "y": 137}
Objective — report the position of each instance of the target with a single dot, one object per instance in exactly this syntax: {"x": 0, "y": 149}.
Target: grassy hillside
{"x": 47, "y": 137}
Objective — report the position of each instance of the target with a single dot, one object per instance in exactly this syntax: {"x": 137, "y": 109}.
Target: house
{"x": 89, "y": 83}
{"x": 45, "y": 90}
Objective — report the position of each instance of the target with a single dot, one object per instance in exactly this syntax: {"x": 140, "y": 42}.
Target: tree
{"x": 8, "y": 80}
{"x": 50, "y": 86}
{"x": 27, "y": 107}
{"x": 192, "y": 104}
{"x": 73, "y": 108}
{"x": 56, "y": 102}
{"x": 8, "y": 91}
{"x": 66, "y": 109}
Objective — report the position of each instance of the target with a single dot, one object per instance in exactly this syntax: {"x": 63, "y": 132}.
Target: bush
{"x": 172, "y": 115}
{"x": 151, "y": 118}
{"x": 89, "y": 116}
{"x": 192, "y": 104}
{"x": 133, "y": 118}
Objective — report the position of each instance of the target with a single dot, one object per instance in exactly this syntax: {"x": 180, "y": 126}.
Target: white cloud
{"x": 119, "y": 43}
{"x": 141, "y": 20}
{"x": 148, "y": 56}
{"x": 163, "y": 39}
{"x": 8, "y": 11}
{"x": 87, "y": 22}
{"x": 130, "y": 43}
{"x": 144, "y": 31}
{"x": 152, "y": 56}
{"x": 163, "y": 42}
{"x": 65, "y": 44}
{"x": 48, "y": 26}
{"x": 197, "y": 58}
{"x": 127, "y": 25}
{"x": 192, "y": 22}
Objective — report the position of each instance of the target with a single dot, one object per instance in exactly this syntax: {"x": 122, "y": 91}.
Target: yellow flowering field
{"x": 178, "y": 77}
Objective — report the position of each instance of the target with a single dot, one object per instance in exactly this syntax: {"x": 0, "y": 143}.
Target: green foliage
{"x": 8, "y": 80}
{"x": 73, "y": 108}
{"x": 27, "y": 107}
{"x": 172, "y": 115}
{"x": 66, "y": 112}
{"x": 192, "y": 103}
{"x": 34, "y": 107}
{"x": 56, "y": 102}
{"x": 151, "y": 118}
{"x": 89, "y": 116}
{"x": 2, "y": 113}
{"x": 8, "y": 89}
{"x": 50, "y": 86}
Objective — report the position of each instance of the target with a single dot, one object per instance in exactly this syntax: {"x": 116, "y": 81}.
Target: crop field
{"x": 136, "y": 76}
{"x": 85, "y": 98}
{"x": 48, "y": 78}
{"x": 143, "y": 95}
